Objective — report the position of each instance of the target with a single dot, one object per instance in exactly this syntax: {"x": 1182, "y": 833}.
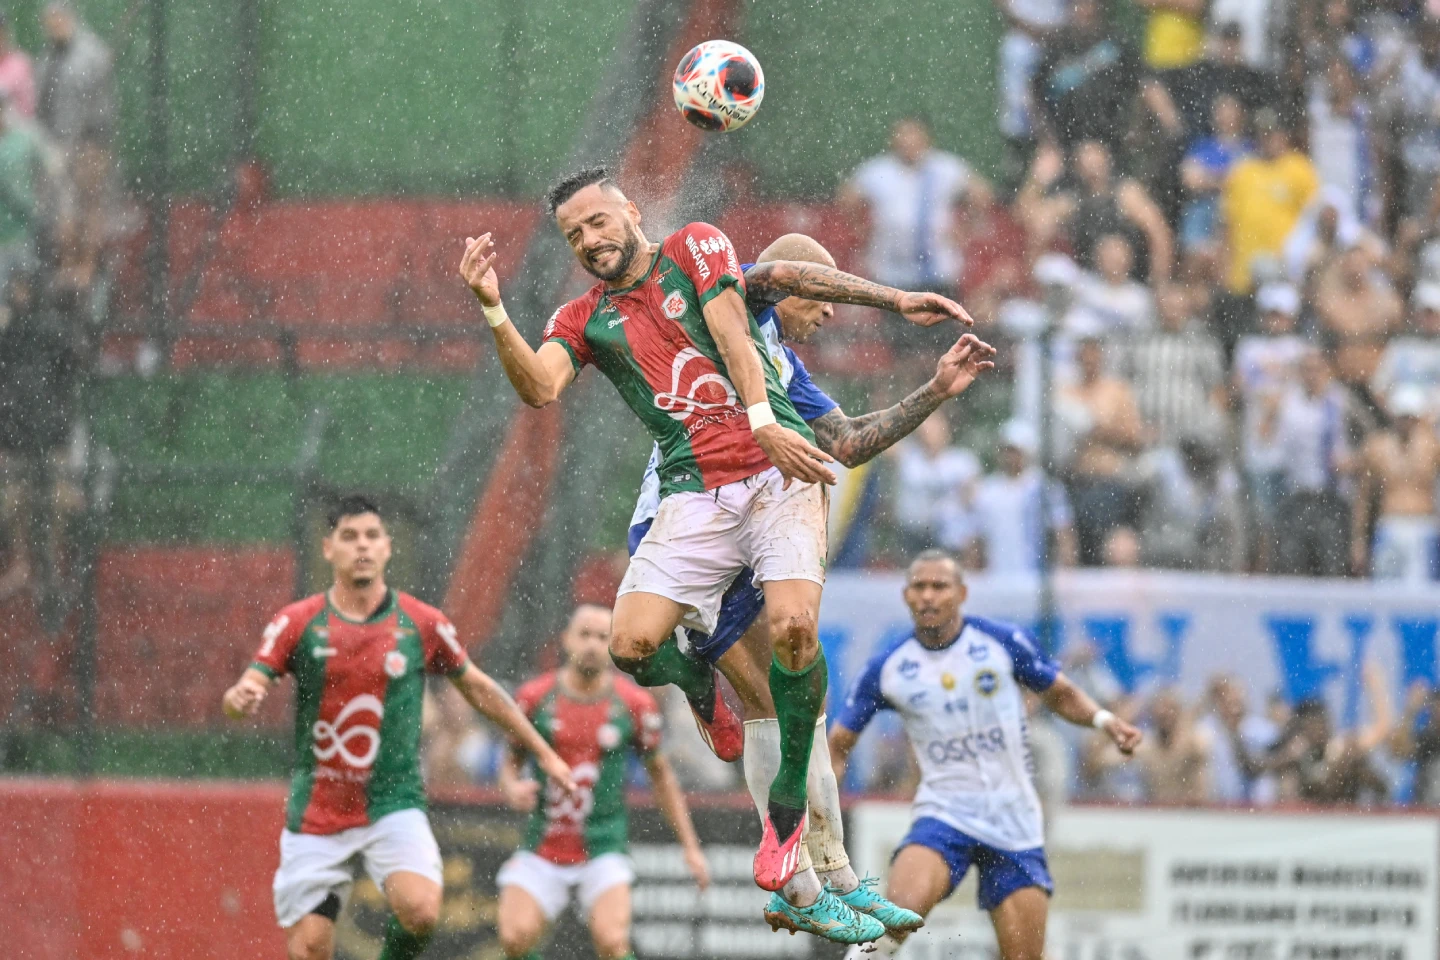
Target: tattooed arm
{"x": 814, "y": 281}
{"x": 857, "y": 440}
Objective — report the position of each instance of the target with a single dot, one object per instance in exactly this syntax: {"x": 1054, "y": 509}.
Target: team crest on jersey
{"x": 395, "y": 663}
{"x": 909, "y": 668}
{"x": 674, "y": 305}
{"x": 947, "y": 680}
{"x": 986, "y": 683}
{"x": 978, "y": 651}
{"x": 608, "y": 736}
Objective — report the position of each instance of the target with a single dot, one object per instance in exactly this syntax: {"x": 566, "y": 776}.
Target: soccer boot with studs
{"x": 865, "y": 899}
{"x": 827, "y": 917}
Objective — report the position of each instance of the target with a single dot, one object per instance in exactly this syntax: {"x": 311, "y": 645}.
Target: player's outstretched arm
{"x": 794, "y": 456}
{"x": 815, "y": 281}
{"x": 1073, "y": 704}
{"x": 491, "y": 701}
{"x": 538, "y": 376}
{"x": 672, "y": 803}
{"x": 857, "y": 440}
{"x": 243, "y": 699}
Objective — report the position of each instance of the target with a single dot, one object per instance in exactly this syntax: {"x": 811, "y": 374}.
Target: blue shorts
{"x": 1002, "y": 872}
{"x": 739, "y": 607}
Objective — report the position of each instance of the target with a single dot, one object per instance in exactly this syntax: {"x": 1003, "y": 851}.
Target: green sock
{"x": 401, "y": 944}
{"x": 799, "y": 700}
{"x": 669, "y": 665}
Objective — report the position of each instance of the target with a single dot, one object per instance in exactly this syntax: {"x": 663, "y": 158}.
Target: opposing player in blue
{"x": 824, "y": 897}
{"x": 956, "y": 684}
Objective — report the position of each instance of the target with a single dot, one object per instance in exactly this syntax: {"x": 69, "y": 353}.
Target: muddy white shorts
{"x": 313, "y": 866}
{"x": 552, "y": 883}
{"x": 699, "y": 542}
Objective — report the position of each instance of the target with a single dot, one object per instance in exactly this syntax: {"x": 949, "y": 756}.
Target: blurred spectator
{"x": 1015, "y": 511}
{"x": 458, "y": 748}
{"x": 1174, "y": 759}
{"x": 1051, "y": 772}
{"x": 1414, "y": 360}
{"x": 1192, "y": 517}
{"x": 1174, "y": 32}
{"x": 1106, "y": 774}
{"x": 77, "y": 103}
{"x": 1122, "y": 550}
{"x": 931, "y": 478}
{"x": 1397, "y": 472}
{"x": 1327, "y": 227}
{"x": 907, "y": 197}
{"x": 1085, "y": 86}
{"x": 1203, "y": 171}
{"x": 1315, "y": 764}
{"x": 1259, "y": 24}
{"x": 1223, "y": 70}
{"x": 1311, "y": 432}
{"x": 1105, "y": 205}
{"x": 1357, "y": 310}
{"x": 1178, "y": 372}
{"x": 1417, "y": 90}
{"x": 1029, "y": 24}
{"x": 1239, "y": 741}
{"x": 1416, "y": 739}
{"x": 1342, "y": 142}
{"x": 1084, "y": 665}
{"x": 1123, "y": 306}
{"x": 1265, "y": 370}
{"x": 1263, "y": 198}
{"x": 22, "y": 170}
{"x": 17, "y": 74}
{"x": 1100, "y": 414}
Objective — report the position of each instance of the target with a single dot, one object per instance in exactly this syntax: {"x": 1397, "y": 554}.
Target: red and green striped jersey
{"x": 594, "y": 737}
{"x": 651, "y": 341}
{"x": 359, "y": 690}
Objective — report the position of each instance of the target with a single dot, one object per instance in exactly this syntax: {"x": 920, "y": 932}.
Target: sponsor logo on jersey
{"x": 947, "y": 680}
{"x": 395, "y": 664}
{"x": 978, "y": 651}
{"x": 334, "y": 738}
{"x": 617, "y": 321}
{"x": 708, "y": 391}
{"x": 674, "y": 305}
{"x": 909, "y": 668}
{"x": 272, "y": 633}
{"x": 320, "y": 653}
{"x": 986, "y": 683}
{"x": 917, "y": 699}
{"x": 701, "y": 266}
{"x": 608, "y": 736}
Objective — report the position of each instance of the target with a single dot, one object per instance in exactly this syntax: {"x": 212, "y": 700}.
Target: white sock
{"x": 826, "y": 840}
{"x": 762, "y": 762}
{"x": 803, "y": 889}
{"x": 886, "y": 946}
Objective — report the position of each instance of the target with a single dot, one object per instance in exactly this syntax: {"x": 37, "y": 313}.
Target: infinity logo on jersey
{"x": 330, "y": 740}
{"x": 706, "y": 392}
{"x": 571, "y": 809}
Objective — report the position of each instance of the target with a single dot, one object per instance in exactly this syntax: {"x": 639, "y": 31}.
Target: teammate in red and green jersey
{"x": 359, "y": 653}
{"x": 668, "y": 325}
{"x": 578, "y": 842}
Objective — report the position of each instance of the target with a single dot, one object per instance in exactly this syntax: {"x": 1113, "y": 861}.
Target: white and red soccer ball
{"x": 719, "y": 86}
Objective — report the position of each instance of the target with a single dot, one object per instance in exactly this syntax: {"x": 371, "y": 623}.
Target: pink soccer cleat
{"x": 776, "y": 862}
{"x": 724, "y": 732}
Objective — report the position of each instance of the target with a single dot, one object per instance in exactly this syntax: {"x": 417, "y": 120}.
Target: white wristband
{"x": 1101, "y": 719}
{"x": 496, "y": 315}
{"x": 760, "y": 415}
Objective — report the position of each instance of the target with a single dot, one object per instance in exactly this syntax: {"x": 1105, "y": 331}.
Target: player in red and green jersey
{"x": 578, "y": 842}
{"x": 668, "y": 325}
{"x": 359, "y": 653}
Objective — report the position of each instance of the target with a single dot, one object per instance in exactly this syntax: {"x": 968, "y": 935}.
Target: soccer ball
{"x": 719, "y": 86}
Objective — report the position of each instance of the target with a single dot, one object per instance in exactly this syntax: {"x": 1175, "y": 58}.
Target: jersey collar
{"x": 964, "y": 622}
{"x": 380, "y": 613}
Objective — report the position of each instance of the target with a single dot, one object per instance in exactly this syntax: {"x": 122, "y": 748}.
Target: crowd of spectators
{"x": 1234, "y": 231}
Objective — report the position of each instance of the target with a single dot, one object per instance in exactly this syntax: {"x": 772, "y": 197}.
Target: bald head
{"x": 796, "y": 246}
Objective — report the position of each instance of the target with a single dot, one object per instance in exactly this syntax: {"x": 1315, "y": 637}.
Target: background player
{"x": 359, "y": 653}
{"x": 669, "y": 326}
{"x": 853, "y": 441}
{"x": 577, "y": 843}
{"x": 956, "y": 683}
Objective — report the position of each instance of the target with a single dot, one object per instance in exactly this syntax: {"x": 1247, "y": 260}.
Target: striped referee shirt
{"x": 1175, "y": 374}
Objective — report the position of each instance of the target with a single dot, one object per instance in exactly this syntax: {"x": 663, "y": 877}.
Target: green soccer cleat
{"x": 827, "y": 917}
{"x": 864, "y": 899}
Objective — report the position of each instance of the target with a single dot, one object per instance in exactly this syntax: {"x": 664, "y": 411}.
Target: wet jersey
{"x": 595, "y": 738}
{"x": 965, "y": 718}
{"x": 359, "y": 689}
{"x": 651, "y": 341}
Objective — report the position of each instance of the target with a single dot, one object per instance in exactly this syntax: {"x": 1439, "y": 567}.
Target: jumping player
{"x": 668, "y": 325}
{"x": 359, "y": 653}
{"x": 742, "y": 659}
{"x": 577, "y": 842}
{"x": 956, "y": 684}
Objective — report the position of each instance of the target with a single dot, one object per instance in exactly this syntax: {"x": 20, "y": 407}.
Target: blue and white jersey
{"x": 965, "y": 718}
{"x": 810, "y": 402}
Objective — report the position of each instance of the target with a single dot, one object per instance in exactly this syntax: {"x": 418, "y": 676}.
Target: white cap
{"x": 1083, "y": 324}
{"x": 1021, "y": 436}
{"x": 1278, "y": 298}
{"x": 1407, "y": 400}
{"x": 1426, "y": 296}
{"x": 1056, "y": 270}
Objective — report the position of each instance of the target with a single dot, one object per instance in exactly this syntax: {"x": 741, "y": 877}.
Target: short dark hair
{"x": 572, "y": 184}
{"x": 350, "y": 505}
{"x": 936, "y": 555}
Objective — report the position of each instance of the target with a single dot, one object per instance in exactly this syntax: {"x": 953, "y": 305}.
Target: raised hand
{"x": 928, "y": 309}
{"x": 558, "y": 771}
{"x": 961, "y": 364}
{"x": 477, "y": 267}
{"x": 794, "y": 456}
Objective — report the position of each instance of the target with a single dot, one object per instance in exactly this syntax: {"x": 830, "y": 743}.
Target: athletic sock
{"x": 803, "y": 889}
{"x": 668, "y": 665}
{"x": 401, "y": 944}
{"x": 761, "y": 760}
{"x": 826, "y": 838}
{"x": 799, "y": 701}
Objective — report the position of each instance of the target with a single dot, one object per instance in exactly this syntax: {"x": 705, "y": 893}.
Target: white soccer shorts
{"x": 313, "y": 866}
{"x": 701, "y": 541}
{"x": 551, "y": 883}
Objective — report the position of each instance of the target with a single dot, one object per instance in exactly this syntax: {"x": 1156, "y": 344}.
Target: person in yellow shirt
{"x": 1263, "y": 198}
{"x": 1174, "y": 32}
